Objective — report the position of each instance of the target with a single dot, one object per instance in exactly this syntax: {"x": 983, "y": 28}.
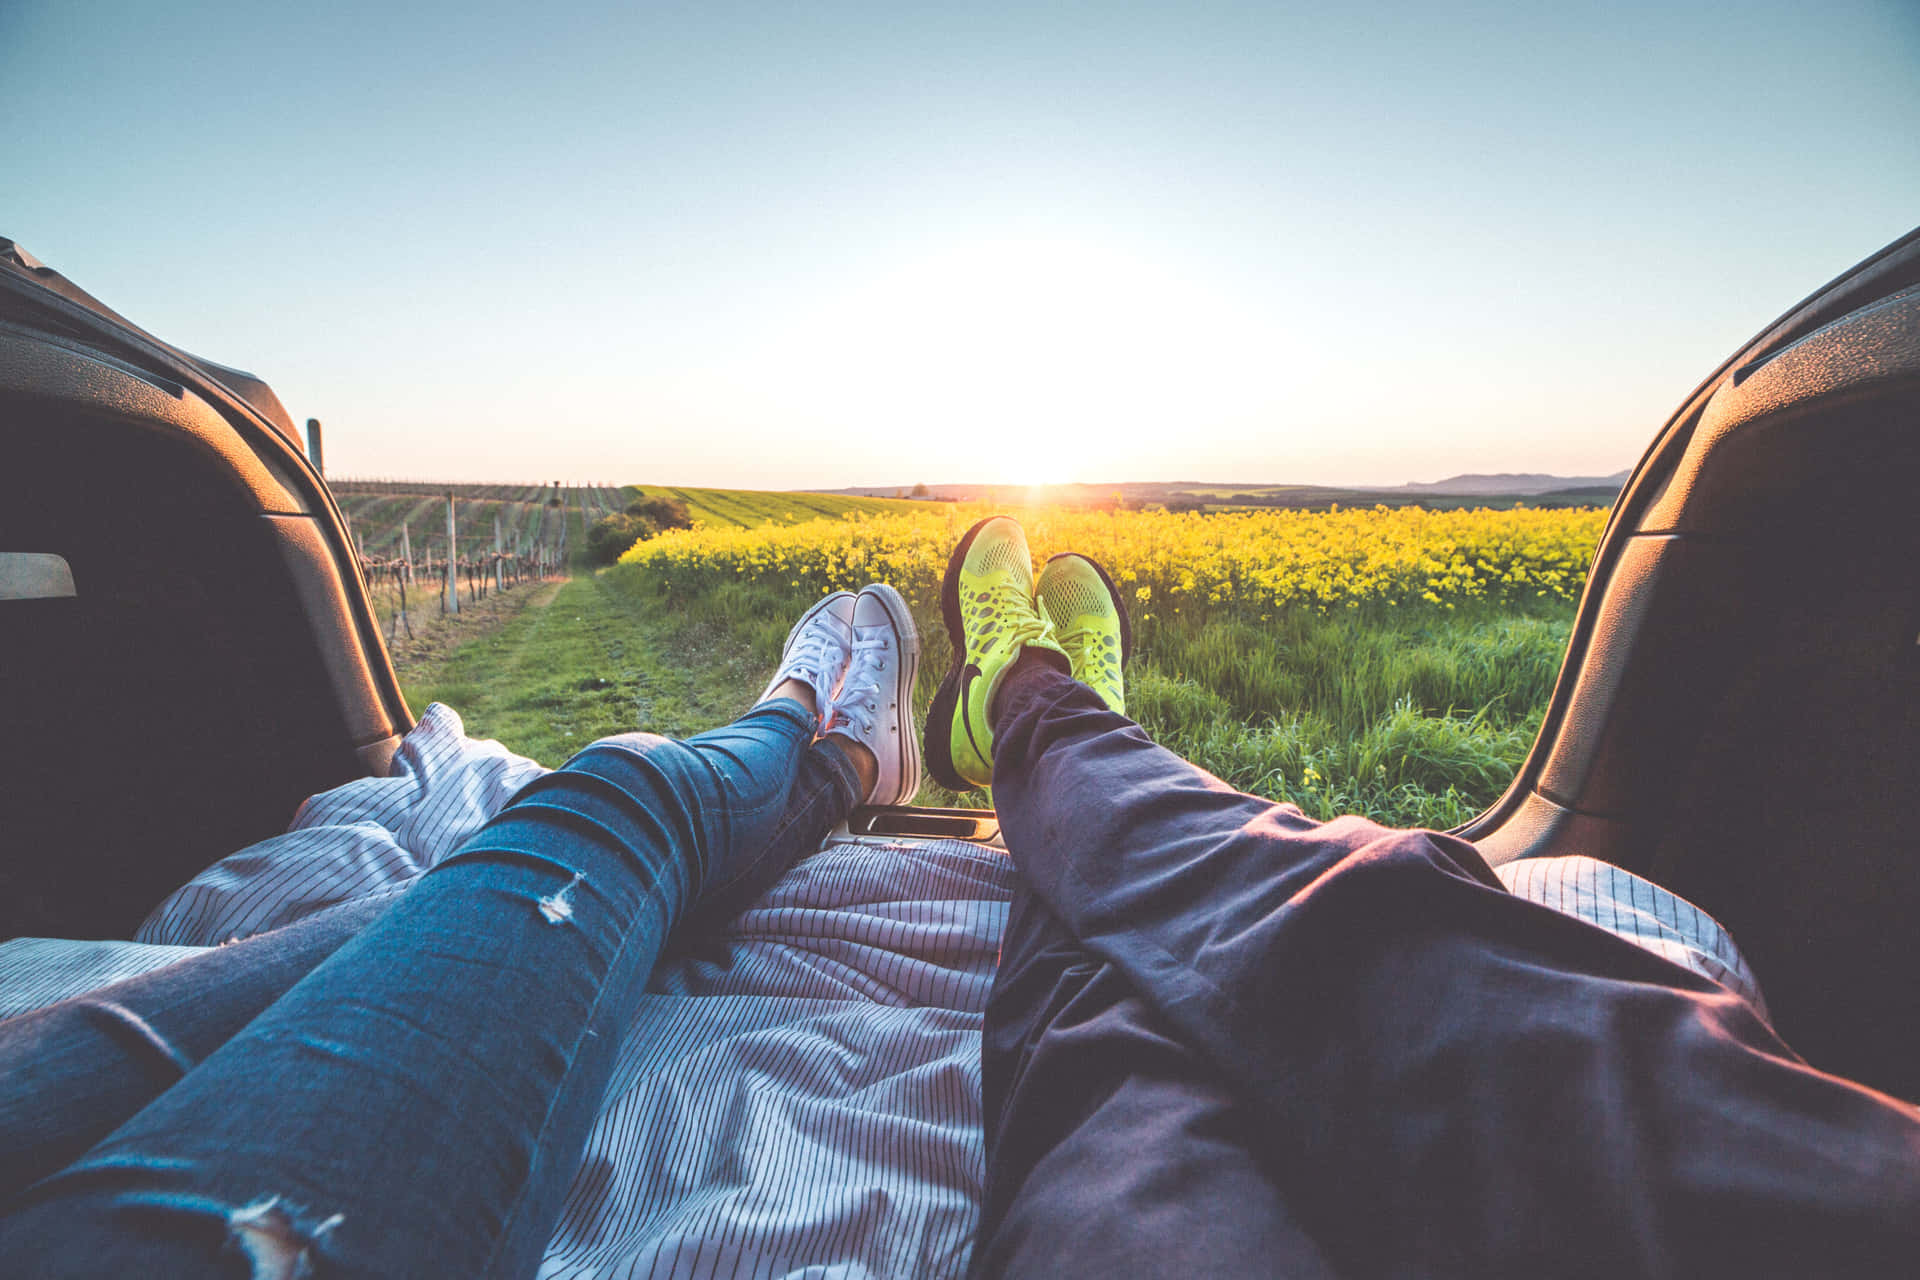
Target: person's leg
{"x": 1442, "y": 1078}
{"x": 829, "y": 781}
{"x": 867, "y": 754}
{"x": 76, "y": 1070}
{"x": 1446, "y": 1077}
{"x": 1113, "y": 1148}
{"x": 416, "y": 1104}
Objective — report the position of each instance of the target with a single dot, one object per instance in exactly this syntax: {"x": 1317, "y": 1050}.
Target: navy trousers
{"x": 1228, "y": 1040}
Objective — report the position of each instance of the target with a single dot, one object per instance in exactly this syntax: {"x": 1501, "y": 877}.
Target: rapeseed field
{"x": 1239, "y": 563}
{"x": 1391, "y": 662}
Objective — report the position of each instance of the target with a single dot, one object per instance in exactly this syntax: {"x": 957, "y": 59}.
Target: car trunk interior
{"x": 176, "y": 707}
{"x": 1788, "y": 812}
{"x": 1739, "y": 716}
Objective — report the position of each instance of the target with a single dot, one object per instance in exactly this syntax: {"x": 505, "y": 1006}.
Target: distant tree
{"x": 919, "y": 491}
{"x": 663, "y": 513}
{"x": 1184, "y": 502}
{"x": 611, "y": 535}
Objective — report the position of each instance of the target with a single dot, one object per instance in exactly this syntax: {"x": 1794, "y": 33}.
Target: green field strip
{"x": 376, "y": 510}
{"x": 761, "y": 508}
{"x": 697, "y": 508}
{"x": 741, "y": 513}
{"x": 825, "y": 509}
{"x": 751, "y": 508}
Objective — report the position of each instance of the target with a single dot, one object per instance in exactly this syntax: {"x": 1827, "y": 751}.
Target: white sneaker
{"x": 875, "y": 704}
{"x": 817, "y": 650}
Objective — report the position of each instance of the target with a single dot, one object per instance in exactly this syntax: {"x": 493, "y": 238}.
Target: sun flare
{"x": 1051, "y": 360}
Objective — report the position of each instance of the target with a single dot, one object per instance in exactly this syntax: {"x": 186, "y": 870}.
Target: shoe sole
{"x": 793, "y": 631}
{"x": 946, "y": 699}
{"x": 1119, "y": 605}
{"x": 905, "y": 678}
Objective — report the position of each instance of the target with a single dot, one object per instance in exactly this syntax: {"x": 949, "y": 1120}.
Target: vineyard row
{"x": 501, "y": 536}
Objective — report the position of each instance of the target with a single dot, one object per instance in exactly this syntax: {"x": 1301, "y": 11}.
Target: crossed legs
{"x": 1227, "y": 1038}
{"x": 1297, "y": 1044}
{"x": 405, "y": 1094}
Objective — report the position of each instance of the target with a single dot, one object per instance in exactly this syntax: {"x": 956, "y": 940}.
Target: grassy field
{"x": 1413, "y": 717}
{"x": 750, "y": 509}
{"x": 585, "y": 658}
{"x": 1394, "y": 664}
{"x": 1415, "y": 720}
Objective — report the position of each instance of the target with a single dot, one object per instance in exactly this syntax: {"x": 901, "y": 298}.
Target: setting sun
{"x": 1044, "y": 359}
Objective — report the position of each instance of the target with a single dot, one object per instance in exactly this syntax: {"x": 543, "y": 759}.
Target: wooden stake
{"x": 453, "y": 557}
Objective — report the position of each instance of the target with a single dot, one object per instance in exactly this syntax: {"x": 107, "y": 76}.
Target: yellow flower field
{"x": 1247, "y": 563}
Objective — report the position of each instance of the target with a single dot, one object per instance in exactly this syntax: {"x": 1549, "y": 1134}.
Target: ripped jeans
{"x": 413, "y": 1095}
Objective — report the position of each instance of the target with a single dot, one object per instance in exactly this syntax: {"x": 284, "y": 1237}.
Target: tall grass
{"x": 1412, "y": 716}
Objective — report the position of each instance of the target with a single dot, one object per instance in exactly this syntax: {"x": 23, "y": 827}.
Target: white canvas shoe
{"x": 875, "y": 705}
{"x": 817, "y": 650}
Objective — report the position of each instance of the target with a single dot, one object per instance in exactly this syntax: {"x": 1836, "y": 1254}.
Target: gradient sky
{"x": 812, "y": 245}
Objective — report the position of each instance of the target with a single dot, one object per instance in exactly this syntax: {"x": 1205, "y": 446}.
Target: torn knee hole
{"x": 557, "y": 908}
{"x": 277, "y": 1245}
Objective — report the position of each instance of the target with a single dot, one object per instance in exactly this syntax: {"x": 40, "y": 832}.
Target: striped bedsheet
{"x": 799, "y": 1097}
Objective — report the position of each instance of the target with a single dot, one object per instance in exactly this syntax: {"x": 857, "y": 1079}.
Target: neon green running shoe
{"x": 1079, "y": 600}
{"x": 987, "y": 602}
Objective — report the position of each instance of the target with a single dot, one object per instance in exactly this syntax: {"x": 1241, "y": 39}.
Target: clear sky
{"x": 787, "y": 245}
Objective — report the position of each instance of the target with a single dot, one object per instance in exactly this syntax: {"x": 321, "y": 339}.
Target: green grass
{"x": 1412, "y": 717}
{"x": 596, "y": 660}
{"x": 751, "y": 508}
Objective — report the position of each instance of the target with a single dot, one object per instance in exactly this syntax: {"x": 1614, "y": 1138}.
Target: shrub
{"x": 611, "y": 536}
{"x": 662, "y": 513}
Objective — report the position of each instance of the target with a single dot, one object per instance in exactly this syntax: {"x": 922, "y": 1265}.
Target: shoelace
{"x": 1021, "y": 621}
{"x": 859, "y": 702}
{"x": 817, "y": 658}
{"x": 1069, "y": 637}
{"x": 1085, "y": 640}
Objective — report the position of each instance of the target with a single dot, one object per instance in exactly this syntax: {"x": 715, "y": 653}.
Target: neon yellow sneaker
{"x": 987, "y": 602}
{"x": 1077, "y": 597}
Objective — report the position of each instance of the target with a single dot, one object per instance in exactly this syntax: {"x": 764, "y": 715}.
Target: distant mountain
{"x": 1508, "y": 485}
{"x": 1514, "y": 484}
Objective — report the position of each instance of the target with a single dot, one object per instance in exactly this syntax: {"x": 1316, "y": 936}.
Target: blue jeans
{"x": 398, "y": 1089}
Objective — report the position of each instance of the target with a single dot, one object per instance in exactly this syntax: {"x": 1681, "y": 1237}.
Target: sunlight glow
{"x": 1052, "y": 357}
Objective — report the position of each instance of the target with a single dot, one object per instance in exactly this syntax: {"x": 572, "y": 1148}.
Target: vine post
{"x": 453, "y": 566}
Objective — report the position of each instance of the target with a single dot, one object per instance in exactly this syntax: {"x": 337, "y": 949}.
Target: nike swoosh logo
{"x": 967, "y": 676}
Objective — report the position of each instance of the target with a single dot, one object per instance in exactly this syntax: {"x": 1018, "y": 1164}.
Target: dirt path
{"x": 577, "y": 662}
{"x": 436, "y": 635}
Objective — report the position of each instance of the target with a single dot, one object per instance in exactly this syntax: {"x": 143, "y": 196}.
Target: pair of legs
{"x": 1227, "y": 1040}
{"x": 404, "y": 1089}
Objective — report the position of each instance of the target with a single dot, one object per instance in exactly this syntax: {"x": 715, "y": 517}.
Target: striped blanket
{"x": 798, "y": 1097}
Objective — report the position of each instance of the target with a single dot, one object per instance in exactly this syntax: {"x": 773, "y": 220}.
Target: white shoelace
{"x": 859, "y": 702}
{"x": 817, "y": 657}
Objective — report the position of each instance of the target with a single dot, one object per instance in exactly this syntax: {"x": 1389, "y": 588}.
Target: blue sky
{"x": 834, "y": 244}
